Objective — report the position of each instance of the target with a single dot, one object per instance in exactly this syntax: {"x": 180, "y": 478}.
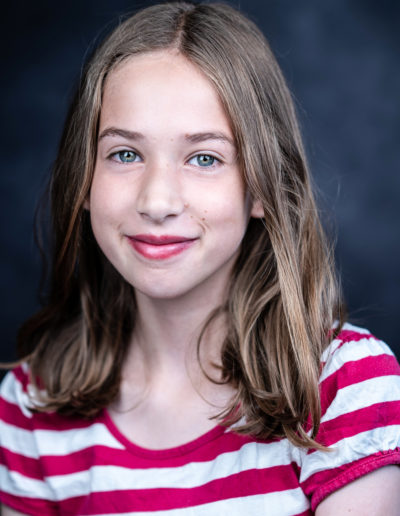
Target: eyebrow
{"x": 190, "y": 137}
{"x": 124, "y": 133}
{"x": 201, "y": 137}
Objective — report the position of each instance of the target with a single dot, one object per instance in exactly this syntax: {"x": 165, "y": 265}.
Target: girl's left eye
{"x": 125, "y": 156}
{"x": 203, "y": 160}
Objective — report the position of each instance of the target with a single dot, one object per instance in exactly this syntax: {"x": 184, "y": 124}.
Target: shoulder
{"x": 33, "y": 445}
{"x": 360, "y": 413}
{"x": 42, "y": 453}
{"x": 353, "y": 343}
{"x": 18, "y": 421}
{"x": 358, "y": 371}
{"x": 21, "y": 415}
{"x": 357, "y": 357}
{"x": 15, "y": 396}
{"x": 20, "y": 470}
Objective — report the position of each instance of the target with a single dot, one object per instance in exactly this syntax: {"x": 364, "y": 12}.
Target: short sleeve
{"x": 22, "y": 483}
{"x": 360, "y": 402}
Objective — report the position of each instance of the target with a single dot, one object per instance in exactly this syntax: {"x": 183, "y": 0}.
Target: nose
{"x": 160, "y": 194}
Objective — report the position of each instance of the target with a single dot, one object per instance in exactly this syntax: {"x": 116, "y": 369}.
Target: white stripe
{"x": 336, "y": 342}
{"x": 109, "y": 478}
{"x": 351, "y": 327}
{"x": 64, "y": 442}
{"x": 351, "y": 449}
{"x": 363, "y": 394}
{"x": 47, "y": 442}
{"x": 351, "y": 351}
{"x": 37, "y": 443}
{"x": 12, "y": 392}
{"x": 14, "y": 483}
{"x": 18, "y": 440}
{"x": 282, "y": 503}
{"x": 194, "y": 474}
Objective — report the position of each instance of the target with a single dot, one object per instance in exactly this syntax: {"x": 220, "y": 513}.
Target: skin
{"x": 164, "y": 190}
{"x": 375, "y": 494}
{"x": 166, "y": 165}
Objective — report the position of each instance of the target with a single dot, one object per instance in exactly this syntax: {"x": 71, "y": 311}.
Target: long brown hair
{"x": 283, "y": 297}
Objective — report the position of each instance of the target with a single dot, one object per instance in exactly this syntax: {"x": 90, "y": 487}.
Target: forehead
{"x": 165, "y": 62}
{"x": 162, "y": 84}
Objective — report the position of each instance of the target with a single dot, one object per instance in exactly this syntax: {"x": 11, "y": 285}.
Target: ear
{"x": 257, "y": 210}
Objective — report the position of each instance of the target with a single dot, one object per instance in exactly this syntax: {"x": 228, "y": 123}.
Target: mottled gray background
{"x": 341, "y": 59}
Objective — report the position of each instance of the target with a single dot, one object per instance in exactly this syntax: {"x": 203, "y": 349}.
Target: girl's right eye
{"x": 125, "y": 156}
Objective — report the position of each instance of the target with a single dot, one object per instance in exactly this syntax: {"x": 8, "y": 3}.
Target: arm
{"x": 7, "y": 511}
{"x": 376, "y": 494}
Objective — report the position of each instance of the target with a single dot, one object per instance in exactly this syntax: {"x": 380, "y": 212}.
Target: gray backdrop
{"x": 341, "y": 59}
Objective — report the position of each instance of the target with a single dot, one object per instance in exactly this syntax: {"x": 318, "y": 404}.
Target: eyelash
{"x": 215, "y": 160}
{"x": 116, "y": 156}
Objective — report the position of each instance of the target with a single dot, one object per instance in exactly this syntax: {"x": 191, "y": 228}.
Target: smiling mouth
{"x": 160, "y": 247}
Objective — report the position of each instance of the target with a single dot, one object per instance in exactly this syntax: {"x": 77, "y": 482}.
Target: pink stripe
{"x": 346, "y": 336}
{"x": 21, "y": 377}
{"x": 29, "y": 505}
{"x": 104, "y": 456}
{"x": 205, "y": 448}
{"x": 362, "y": 420}
{"x": 81, "y": 460}
{"x": 98, "y": 455}
{"x": 11, "y": 413}
{"x": 351, "y": 335}
{"x": 246, "y": 483}
{"x": 354, "y": 372}
{"x": 25, "y": 465}
{"x": 323, "y": 483}
{"x": 78, "y": 461}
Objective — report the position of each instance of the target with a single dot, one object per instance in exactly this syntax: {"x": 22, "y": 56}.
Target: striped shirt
{"x": 51, "y": 464}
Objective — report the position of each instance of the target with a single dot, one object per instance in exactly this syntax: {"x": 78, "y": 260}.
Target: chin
{"x": 161, "y": 289}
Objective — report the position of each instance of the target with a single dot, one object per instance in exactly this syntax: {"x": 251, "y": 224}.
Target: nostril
{"x": 159, "y": 209}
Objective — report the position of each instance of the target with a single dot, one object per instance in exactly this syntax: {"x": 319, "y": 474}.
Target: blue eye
{"x": 203, "y": 160}
{"x": 126, "y": 156}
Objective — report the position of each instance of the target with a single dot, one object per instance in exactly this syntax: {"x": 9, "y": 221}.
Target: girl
{"x": 193, "y": 306}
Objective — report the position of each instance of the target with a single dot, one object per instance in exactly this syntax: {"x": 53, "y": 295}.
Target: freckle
{"x": 203, "y": 218}
{"x": 186, "y": 205}
{"x": 205, "y": 211}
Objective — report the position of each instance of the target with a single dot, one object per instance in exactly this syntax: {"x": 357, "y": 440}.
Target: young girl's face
{"x": 168, "y": 204}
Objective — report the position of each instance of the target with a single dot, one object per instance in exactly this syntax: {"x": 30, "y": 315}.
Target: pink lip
{"x": 160, "y": 247}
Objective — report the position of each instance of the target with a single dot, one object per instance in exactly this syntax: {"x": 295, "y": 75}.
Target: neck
{"x": 166, "y": 334}
{"x": 162, "y": 371}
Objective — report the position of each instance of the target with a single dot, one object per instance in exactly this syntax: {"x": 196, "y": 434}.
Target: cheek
{"x": 224, "y": 201}
{"x": 228, "y": 219}
{"x": 105, "y": 205}
{"x": 107, "y": 200}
